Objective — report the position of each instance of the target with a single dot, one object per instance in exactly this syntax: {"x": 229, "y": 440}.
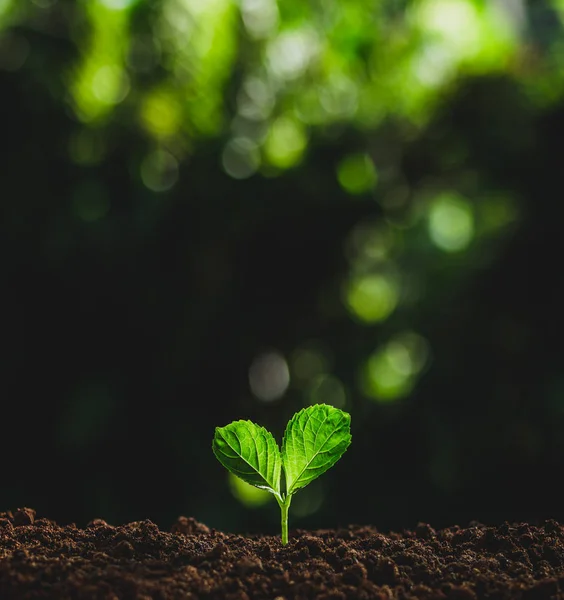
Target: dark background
{"x": 147, "y": 262}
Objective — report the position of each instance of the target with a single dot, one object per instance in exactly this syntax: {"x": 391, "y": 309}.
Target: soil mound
{"x": 138, "y": 561}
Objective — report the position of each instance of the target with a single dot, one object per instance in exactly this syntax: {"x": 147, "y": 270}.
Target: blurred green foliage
{"x": 324, "y": 101}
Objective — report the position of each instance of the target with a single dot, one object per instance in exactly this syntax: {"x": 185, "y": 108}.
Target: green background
{"x": 221, "y": 210}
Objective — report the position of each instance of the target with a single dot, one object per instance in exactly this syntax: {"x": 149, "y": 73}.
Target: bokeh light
{"x": 119, "y": 4}
{"x": 308, "y": 362}
{"x": 159, "y": 171}
{"x": 392, "y": 371}
{"x": 370, "y": 243}
{"x": 285, "y": 143}
{"x": 260, "y": 17}
{"x": 291, "y": 52}
{"x": 372, "y": 298}
{"x": 356, "y": 174}
{"x": 161, "y": 113}
{"x": 327, "y": 389}
{"x": 269, "y": 376}
{"x": 451, "y": 222}
{"x": 256, "y": 99}
{"x": 100, "y": 81}
{"x": 240, "y": 158}
{"x": 247, "y": 494}
{"x": 309, "y": 500}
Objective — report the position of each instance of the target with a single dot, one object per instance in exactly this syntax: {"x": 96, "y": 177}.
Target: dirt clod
{"x": 189, "y": 526}
{"x": 40, "y": 559}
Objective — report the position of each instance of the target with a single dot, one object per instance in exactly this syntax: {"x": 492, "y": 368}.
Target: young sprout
{"x": 314, "y": 440}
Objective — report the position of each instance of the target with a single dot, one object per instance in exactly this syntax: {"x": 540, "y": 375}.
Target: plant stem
{"x": 284, "y": 506}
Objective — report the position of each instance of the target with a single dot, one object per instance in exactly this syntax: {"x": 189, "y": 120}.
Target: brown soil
{"x": 137, "y": 561}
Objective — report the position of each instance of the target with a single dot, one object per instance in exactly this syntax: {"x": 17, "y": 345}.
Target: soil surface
{"x": 137, "y": 561}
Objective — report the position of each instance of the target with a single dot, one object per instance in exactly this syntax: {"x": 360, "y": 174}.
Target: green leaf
{"x": 251, "y": 453}
{"x": 315, "y": 439}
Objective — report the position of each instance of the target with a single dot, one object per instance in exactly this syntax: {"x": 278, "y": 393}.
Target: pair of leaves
{"x": 314, "y": 440}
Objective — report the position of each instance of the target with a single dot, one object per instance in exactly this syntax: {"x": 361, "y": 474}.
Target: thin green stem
{"x": 284, "y": 506}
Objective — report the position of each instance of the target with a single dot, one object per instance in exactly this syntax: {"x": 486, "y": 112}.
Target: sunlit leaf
{"x": 314, "y": 440}
{"x": 251, "y": 453}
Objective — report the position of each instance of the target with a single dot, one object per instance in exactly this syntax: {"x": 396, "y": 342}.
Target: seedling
{"x": 314, "y": 440}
